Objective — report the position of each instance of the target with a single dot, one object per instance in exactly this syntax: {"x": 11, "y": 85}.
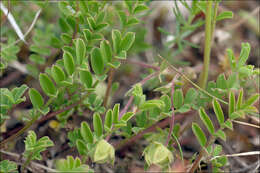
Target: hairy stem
{"x": 207, "y": 43}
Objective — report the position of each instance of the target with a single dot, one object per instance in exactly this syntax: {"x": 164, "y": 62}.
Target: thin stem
{"x": 109, "y": 84}
{"x": 142, "y": 64}
{"x": 195, "y": 85}
{"x": 26, "y": 163}
{"x": 123, "y": 111}
{"x": 207, "y": 43}
{"x": 214, "y": 20}
{"x": 172, "y": 117}
{"x": 201, "y": 154}
{"x": 30, "y": 123}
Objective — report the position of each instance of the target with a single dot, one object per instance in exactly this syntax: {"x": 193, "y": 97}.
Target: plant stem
{"x": 109, "y": 84}
{"x": 207, "y": 43}
{"x": 30, "y": 123}
{"x": 190, "y": 81}
{"x": 123, "y": 111}
{"x": 214, "y": 20}
{"x": 26, "y": 163}
{"x": 172, "y": 107}
{"x": 201, "y": 154}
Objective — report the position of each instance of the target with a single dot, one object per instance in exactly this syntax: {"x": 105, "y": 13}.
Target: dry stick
{"x": 228, "y": 149}
{"x": 37, "y": 165}
{"x": 29, "y": 30}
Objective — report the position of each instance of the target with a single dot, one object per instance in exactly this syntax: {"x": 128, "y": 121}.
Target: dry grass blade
{"x": 238, "y": 154}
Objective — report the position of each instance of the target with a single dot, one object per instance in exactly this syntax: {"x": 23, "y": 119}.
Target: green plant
{"x": 92, "y": 40}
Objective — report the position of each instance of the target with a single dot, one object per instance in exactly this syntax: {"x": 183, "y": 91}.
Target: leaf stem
{"x": 173, "y": 115}
{"x": 207, "y": 43}
{"x": 26, "y": 163}
{"x": 109, "y": 84}
{"x": 201, "y": 154}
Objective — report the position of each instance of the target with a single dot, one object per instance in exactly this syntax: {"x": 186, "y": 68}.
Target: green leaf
{"x": 231, "y": 58}
{"x": 206, "y": 120}
{"x": 65, "y": 27}
{"x": 221, "y": 134}
{"x": 81, "y": 146}
{"x": 177, "y": 98}
{"x": 244, "y": 54}
{"x": 101, "y": 26}
{"x": 37, "y": 59}
{"x": 34, "y": 147}
{"x": 228, "y": 124}
{"x": 108, "y": 120}
{"x": 237, "y": 114}
{"x": 98, "y": 126}
{"x": 121, "y": 55}
{"x": 122, "y": 17}
{"x": 57, "y": 74}
{"x": 87, "y": 34}
{"x": 240, "y": 99}
{"x": 190, "y": 96}
{"x": 7, "y": 166}
{"x": 86, "y": 78}
{"x": 150, "y": 104}
{"x": 18, "y": 92}
{"x": 132, "y": 21}
{"x": 86, "y": 132}
{"x": 199, "y": 134}
{"x": 80, "y": 50}
{"x": 104, "y": 152}
{"x": 71, "y": 165}
{"x": 47, "y": 85}
{"x": 167, "y": 102}
{"x": 116, "y": 113}
{"x": 225, "y": 15}
{"x": 232, "y": 102}
{"x": 106, "y": 50}
{"x": 40, "y": 50}
{"x": 116, "y": 38}
{"x": 218, "y": 111}
{"x": 221, "y": 82}
{"x": 91, "y": 23}
{"x": 127, "y": 116}
{"x": 232, "y": 80}
{"x": 97, "y": 61}
{"x": 140, "y": 8}
{"x": 250, "y": 101}
{"x": 127, "y": 41}
{"x": 68, "y": 63}
{"x": 36, "y": 98}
